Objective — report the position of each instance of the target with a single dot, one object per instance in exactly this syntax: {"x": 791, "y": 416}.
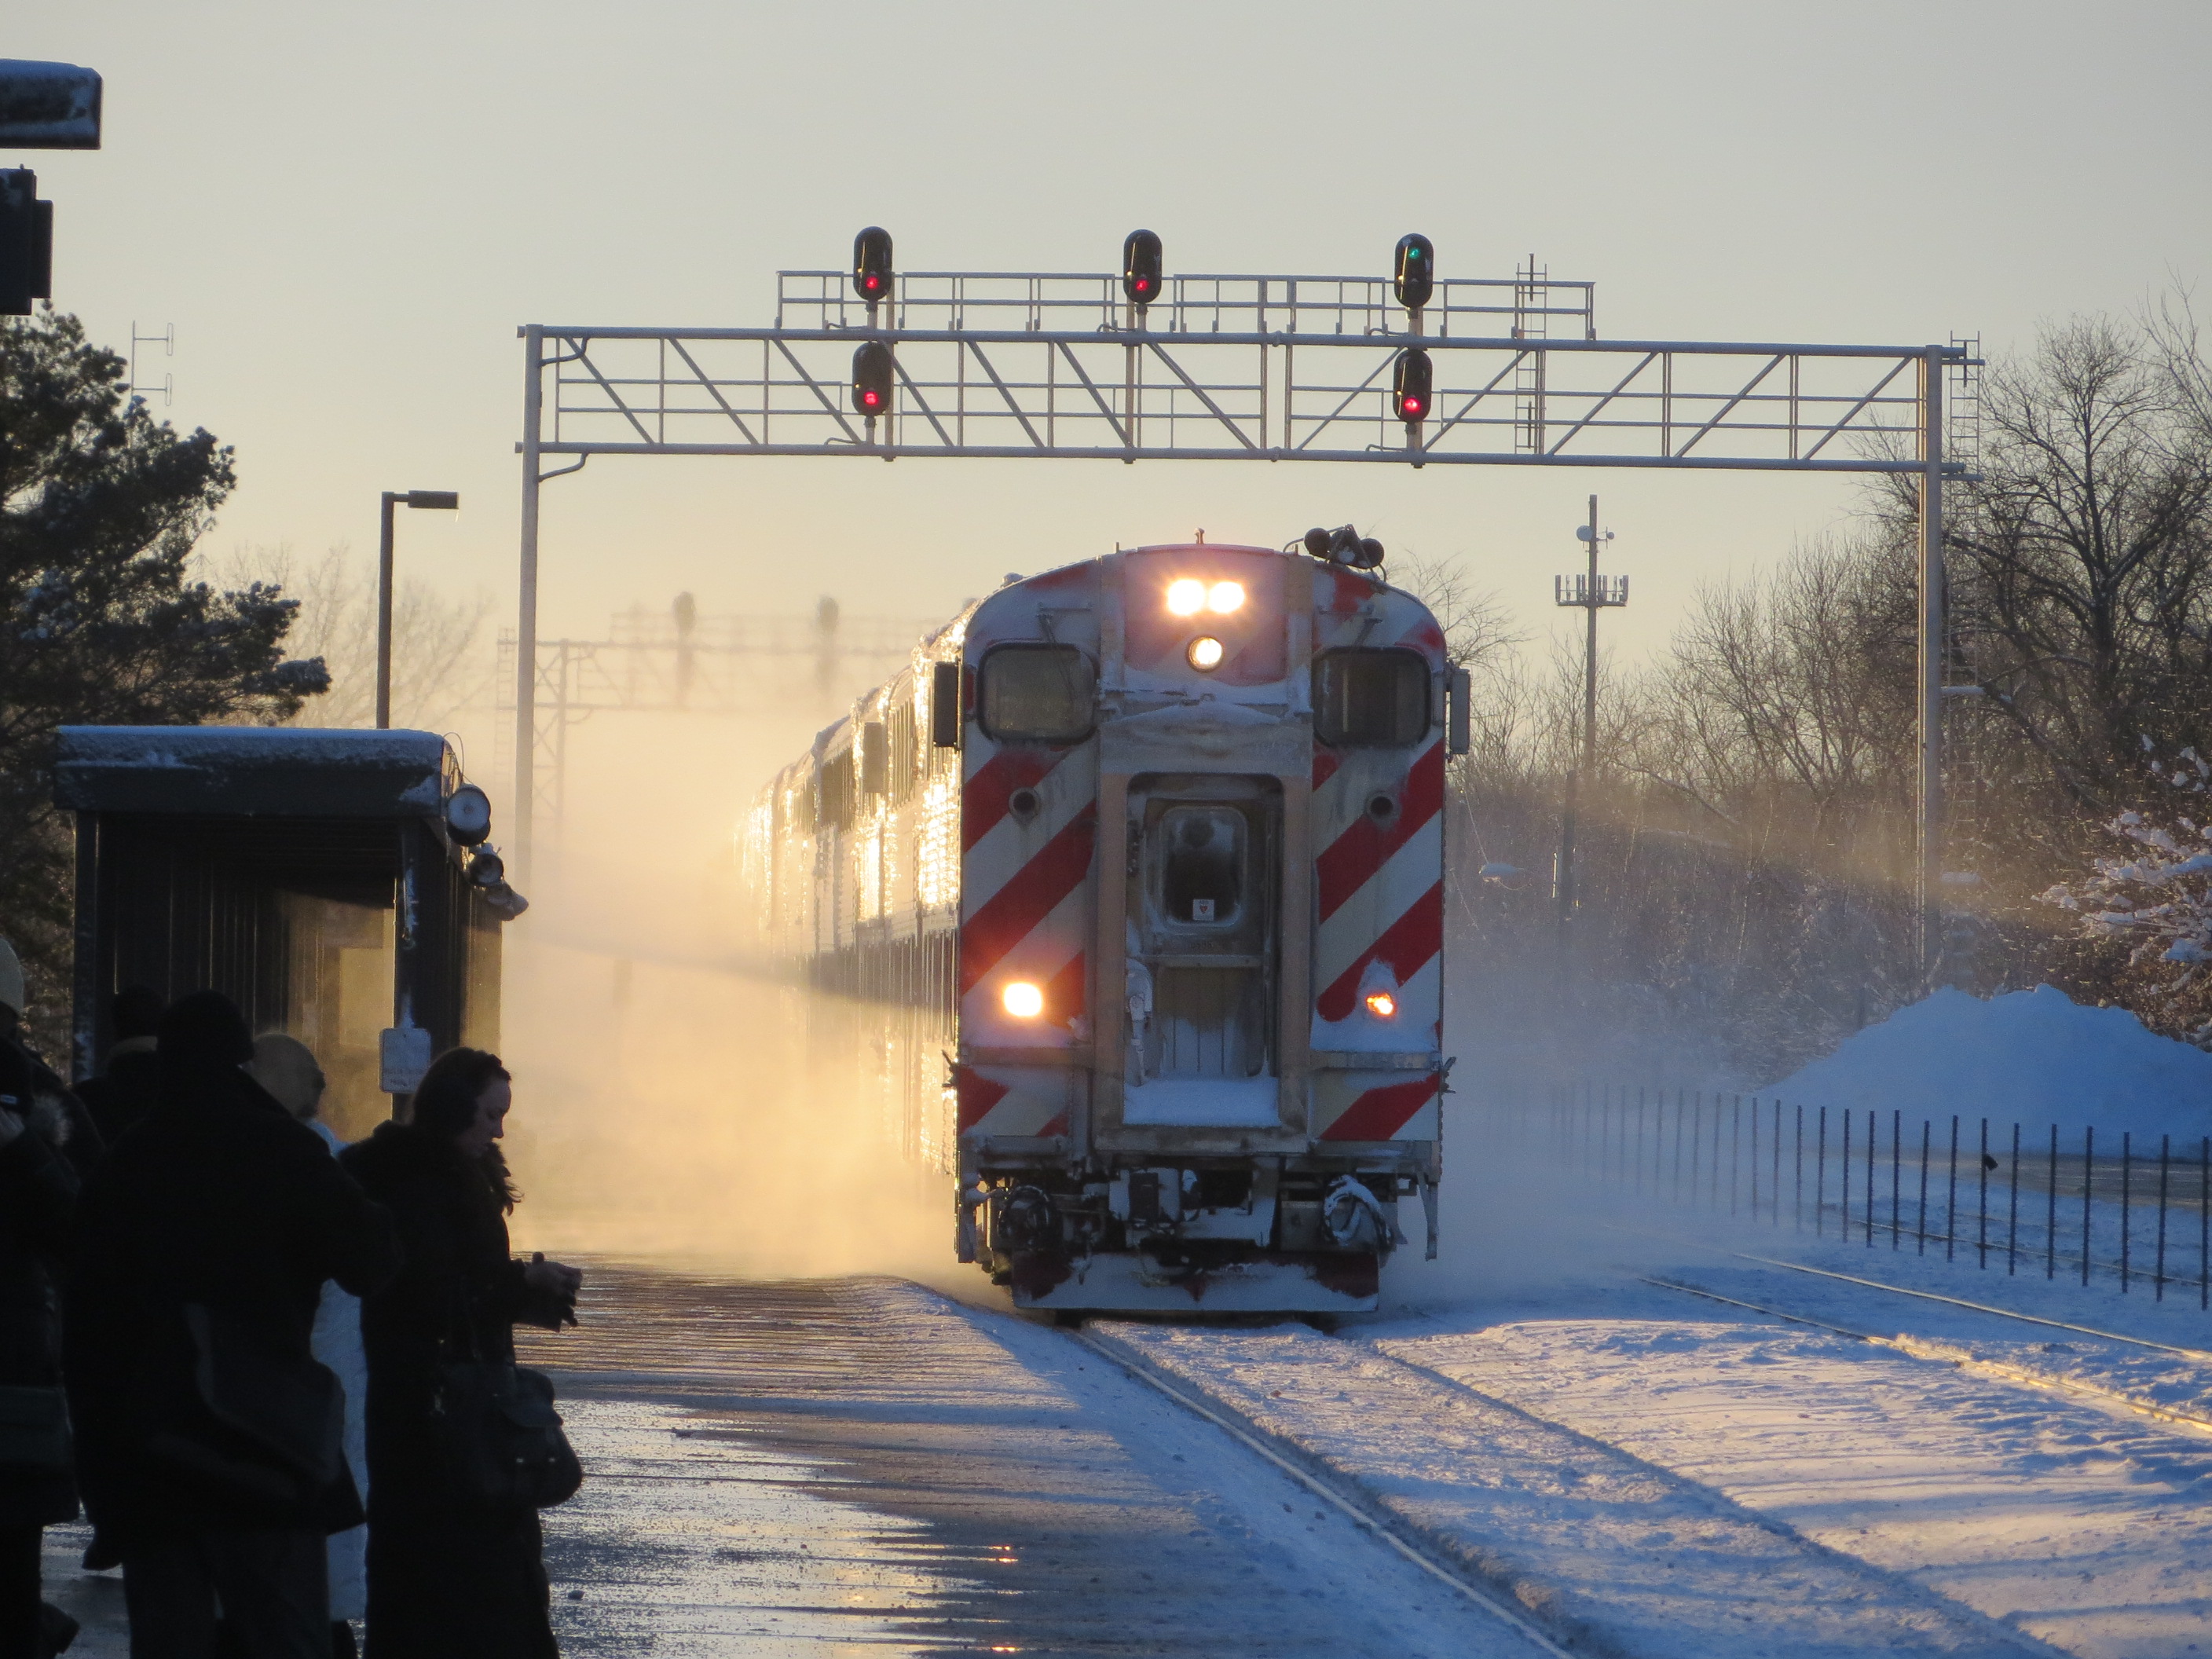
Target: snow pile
{"x": 2030, "y": 1057}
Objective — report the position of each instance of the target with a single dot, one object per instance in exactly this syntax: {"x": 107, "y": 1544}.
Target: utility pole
{"x": 1590, "y": 592}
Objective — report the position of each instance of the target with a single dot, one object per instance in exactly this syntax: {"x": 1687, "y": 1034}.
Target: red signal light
{"x": 1141, "y": 267}
{"x": 871, "y": 263}
{"x": 1412, "y": 382}
{"x": 873, "y": 369}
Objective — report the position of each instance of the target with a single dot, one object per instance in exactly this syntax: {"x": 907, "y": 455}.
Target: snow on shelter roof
{"x": 274, "y": 771}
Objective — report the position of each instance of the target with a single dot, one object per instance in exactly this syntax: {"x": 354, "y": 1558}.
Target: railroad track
{"x": 2191, "y": 1420}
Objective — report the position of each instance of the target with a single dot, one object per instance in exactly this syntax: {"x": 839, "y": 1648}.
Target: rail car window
{"x": 1202, "y": 865}
{"x": 1037, "y": 693}
{"x": 1371, "y": 699}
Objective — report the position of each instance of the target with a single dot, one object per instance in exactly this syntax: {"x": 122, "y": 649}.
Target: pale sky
{"x": 346, "y": 209}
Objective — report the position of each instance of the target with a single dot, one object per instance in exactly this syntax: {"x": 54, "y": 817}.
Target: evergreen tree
{"x": 101, "y": 623}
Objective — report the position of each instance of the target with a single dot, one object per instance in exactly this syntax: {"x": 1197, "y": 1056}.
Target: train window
{"x": 1202, "y": 865}
{"x": 1037, "y": 693}
{"x": 1371, "y": 699}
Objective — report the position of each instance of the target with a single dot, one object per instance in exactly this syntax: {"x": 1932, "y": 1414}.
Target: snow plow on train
{"x": 1128, "y": 896}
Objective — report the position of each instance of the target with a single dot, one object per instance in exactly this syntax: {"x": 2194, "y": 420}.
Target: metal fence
{"x": 1965, "y": 1186}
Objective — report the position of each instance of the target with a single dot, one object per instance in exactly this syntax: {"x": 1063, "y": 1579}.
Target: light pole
{"x": 444, "y": 500}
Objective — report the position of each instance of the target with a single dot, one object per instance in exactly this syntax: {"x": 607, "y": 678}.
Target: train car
{"x": 1131, "y": 888}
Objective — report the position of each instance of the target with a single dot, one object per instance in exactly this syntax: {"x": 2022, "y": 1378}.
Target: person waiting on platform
{"x": 210, "y": 1442}
{"x": 448, "y": 1579}
{"x": 288, "y": 1069}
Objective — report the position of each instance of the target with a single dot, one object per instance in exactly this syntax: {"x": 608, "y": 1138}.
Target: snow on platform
{"x": 2030, "y": 1057}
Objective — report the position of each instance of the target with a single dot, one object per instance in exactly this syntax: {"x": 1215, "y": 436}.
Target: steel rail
{"x": 2198, "y": 1354}
{"x": 1944, "y": 1353}
{"x": 1383, "y": 1526}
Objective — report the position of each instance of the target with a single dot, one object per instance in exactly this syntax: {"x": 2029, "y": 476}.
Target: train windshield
{"x": 1371, "y": 699}
{"x": 1202, "y": 869}
{"x": 1037, "y": 693}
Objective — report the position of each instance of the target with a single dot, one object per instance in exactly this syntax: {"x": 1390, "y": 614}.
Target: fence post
{"x": 1797, "y": 1203}
{"x": 1775, "y": 1185}
{"x": 2158, "y": 1275}
{"x": 1982, "y": 1203}
{"x": 1755, "y": 1158}
{"x": 1821, "y": 1177}
{"x": 2127, "y": 1160}
{"x": 1896, "y": 1171}
{"x": 1735, "y": 1150}
{"x": 1843, "y": 1185}
{"x": 1639, "y": 1143}
{"x": 2088, "y": 1194}
{"x": 1678, "y": 1145}
{"x": 1922, "y": 1234}
{"x": 1872, "y": 1136}
{"x": 1951, "y": 1199}
{"x": 2012, "y": 1210}
{"x": 2051, "y": 1222}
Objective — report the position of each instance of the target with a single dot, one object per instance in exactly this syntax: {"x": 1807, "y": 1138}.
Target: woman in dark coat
{"x": 445, "y": 1578}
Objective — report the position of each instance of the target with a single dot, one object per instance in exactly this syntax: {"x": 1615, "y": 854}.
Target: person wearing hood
{"x": 125, "y": 1092}
{"x": 209, "y": 1441}
{"x": 448, "y": 1579}
{"x": 44, "y": 1150}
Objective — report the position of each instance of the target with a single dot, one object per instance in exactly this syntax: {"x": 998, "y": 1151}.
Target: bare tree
{"x": 439, "y": 663}
{"x": 2082, "y": 556}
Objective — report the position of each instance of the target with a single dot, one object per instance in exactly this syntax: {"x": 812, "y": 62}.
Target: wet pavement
{"x": 854, "y": 1465}
{"x": 859, "y": 1466}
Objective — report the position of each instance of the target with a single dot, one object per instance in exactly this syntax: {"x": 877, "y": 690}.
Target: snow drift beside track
{"x": 2030, "y": 1057}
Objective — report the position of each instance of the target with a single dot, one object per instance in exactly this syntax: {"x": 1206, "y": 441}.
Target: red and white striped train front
{"x": 1198, "y": 976}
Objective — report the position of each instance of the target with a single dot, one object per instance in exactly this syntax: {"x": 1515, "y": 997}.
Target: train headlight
{"x": 1187, "y": 596}
{"x": 1222, "y": 598}
{"x": 1382, "y": 1004}
{"x": 1023, "y": 999}
{"x": 1205, "y": 653}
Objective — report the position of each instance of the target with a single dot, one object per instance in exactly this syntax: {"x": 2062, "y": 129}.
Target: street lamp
{"x": 443, "y": 500}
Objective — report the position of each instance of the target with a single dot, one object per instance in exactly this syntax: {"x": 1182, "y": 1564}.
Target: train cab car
{"x": 1185, "y": 909}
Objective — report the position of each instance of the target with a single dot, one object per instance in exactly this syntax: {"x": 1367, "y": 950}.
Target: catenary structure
{"x": 1129, "y": 893}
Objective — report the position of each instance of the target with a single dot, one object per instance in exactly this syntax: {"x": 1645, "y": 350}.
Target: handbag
{"x": 503, "y": 1438}
{"x": 35, "y": 1429}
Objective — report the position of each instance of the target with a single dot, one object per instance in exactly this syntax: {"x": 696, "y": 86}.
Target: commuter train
{"x": 1131, "y": 887}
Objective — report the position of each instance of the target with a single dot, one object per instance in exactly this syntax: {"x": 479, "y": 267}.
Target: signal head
{"x": 871, "y": 264}
{"x": 1413, "y": 274}
{"x": 872, "y": 379}
{"x": 1412, "y": 383}
{"x": 1141, "y": 267}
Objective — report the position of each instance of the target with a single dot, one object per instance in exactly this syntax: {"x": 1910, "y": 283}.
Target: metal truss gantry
{"x": 683, "y": 663}
{"x": 1033, "y": 365}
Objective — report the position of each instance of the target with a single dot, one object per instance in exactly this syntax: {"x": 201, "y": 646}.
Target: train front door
{"x": 1204, "y": 941}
